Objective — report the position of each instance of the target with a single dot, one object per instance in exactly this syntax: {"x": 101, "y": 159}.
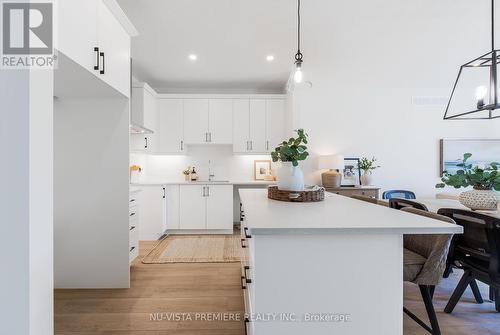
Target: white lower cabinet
{"x": 133, "y": 225}
{"x": 152, "y": 219}
{"x": 206, "y": 207}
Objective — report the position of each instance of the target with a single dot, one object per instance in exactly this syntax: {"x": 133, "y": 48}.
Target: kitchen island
{"x": 331, "y": 267}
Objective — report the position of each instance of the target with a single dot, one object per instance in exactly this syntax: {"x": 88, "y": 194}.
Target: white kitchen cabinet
{"x": 219, "y": 206}
{"x": 145, "y": 114}
{"x": 220, "y": 121}
{"x": 78, "y": 34}
{"x": 171, "y": 126}
{"x": 114, "y": 50}
{"x": 172, "y": 203}
{"x": 241, "y": 125}
{"x": 196, "y": 121}
{"x": 193, "y": 206}
{"x": 152, "y": 220}
{"x": 91, "y": 35}
{"x": 206, "y": 207}
{"x": 275, "y": 123}
{"x": 257, "y": 125}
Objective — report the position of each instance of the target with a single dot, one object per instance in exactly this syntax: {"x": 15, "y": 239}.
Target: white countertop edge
{"x": 249, "y": 182}
{"x": 355, "y": 231}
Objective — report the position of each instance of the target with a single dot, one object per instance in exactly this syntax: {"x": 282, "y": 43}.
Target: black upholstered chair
{"x": 476, "y": 251}
{"x": 398, "y": 194}
{"x": 399, "y": 203}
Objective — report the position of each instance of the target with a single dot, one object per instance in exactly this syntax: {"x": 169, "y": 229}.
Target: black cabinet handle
{"x": 132, "y": 200}
{"x": 247, "y": 280}
{"x": 182, "y": 145}
{"x": 145, "y": 142}
{"x": 247, "y": 235}
{"x": 164, "y": 195}
{"x": 103, "y": 62}
{"x": 132, "y": 214}
{"x": 131, "y": 249}
{"x": 96, "y": 66}
{"x": 132, "y": 228}
{"x": 243, "y": 244}
{"x": 243, "y": 285}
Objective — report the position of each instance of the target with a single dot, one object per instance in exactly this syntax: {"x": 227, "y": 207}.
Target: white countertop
{"x": 333, "y": 215}
{"x": 231, "y": 182}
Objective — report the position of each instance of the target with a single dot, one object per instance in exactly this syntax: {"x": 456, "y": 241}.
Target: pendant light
{"x": 298, "y": 76}
{"x": 475, "y": 93}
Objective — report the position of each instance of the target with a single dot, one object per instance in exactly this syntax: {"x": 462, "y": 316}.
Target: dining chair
{"x": 399, "y": 203}
{"x": 424, "y": 261}
{"x": 398, "y": 194}
{"x": 365, "y": 198}
{"x": 476, "y": 251}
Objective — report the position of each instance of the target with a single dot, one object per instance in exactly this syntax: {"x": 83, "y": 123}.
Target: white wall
{"x": 224, "y": 164}
{"x": 367, "y": 61}
{"x": 26, "y": 283}
{"x": 91, "y": 193}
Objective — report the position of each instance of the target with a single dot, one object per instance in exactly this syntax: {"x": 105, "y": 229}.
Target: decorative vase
{"x": 290, "y": 178}
{"x": 366, "y": 178}
{"x": 479, "y": 200}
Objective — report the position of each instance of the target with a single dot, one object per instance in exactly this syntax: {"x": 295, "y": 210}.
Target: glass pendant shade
{"x": 475, "y": 94}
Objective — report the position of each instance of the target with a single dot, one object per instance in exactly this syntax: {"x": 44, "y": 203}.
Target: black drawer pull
{"x": 246, "y": 235}
{"x": 132, "y": 228}
{"x": 132, "y": 200}
{"x": 243, "y": 244}
{"x": 132, "y": 249}
{"x": 247, "y": 280}
{"x": 132, "y": 214}
{"x": 243, "y": 286}
{"x": 247, "y": 321}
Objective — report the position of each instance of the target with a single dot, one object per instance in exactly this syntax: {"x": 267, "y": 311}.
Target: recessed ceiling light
{"x": 270, "y": 58}
{"x": 193, "y": 57}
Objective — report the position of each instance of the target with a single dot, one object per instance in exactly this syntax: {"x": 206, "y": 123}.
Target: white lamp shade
{"x": 334, "y": 162}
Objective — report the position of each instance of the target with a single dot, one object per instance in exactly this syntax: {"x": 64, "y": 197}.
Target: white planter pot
{"x": 479, "y": 200}
{"x": 366, "y": 178}
{"x": 290, "y": 178}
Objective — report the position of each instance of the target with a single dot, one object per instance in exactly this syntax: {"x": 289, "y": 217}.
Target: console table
{"x": 367, "y": 191}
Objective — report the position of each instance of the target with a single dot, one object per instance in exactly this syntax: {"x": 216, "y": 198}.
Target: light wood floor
{"x": 183, "y": 288}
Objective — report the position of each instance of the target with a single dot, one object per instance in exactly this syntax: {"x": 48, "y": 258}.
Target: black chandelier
{"x": 475, "y": 93}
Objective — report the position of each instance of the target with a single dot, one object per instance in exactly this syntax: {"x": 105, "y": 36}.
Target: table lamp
{"x": 335, "y": 166}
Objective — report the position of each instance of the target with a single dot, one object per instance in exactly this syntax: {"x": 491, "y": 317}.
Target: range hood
{"x": 137, "y": 129}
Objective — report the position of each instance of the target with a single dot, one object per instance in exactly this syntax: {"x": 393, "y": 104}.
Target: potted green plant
{"x": 484, "y": 181}
{"x": 367, "y": 165}
{"x": 289, "y": 153}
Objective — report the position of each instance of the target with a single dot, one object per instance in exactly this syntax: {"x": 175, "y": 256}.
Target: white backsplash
{"x": 223, "y": 163}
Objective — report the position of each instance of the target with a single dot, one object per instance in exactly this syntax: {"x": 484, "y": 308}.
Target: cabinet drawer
{"x": 133, "y": 253}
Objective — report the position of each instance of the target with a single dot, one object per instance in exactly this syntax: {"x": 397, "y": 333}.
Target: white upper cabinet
{"x": 91, "y": 35}
{"x": 220, "y": 121}
{"x": 145, "y": 113}
{"x": 78, "y": 31}
{"x": 275, "y": 123}
{"x": 241, "y": 125}
{"x": 257, "y": 125}
{"x": 196, "y": 121}
{"x": 171, "y": 125}
{"x": 114, "y": 51}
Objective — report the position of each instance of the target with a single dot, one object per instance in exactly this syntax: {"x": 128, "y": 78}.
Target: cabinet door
{"x": 170, "y": 126}
{"x": 172, "y": 207}
{"x": 275, "y": 123}
{"x": 152, "y": 209}
{"x": 241, "y": 125}
{"x": 195, "y": 121}
{"x": 220, "y": 207}
{"x": 114, "y": 42}
{"x": 78, "y": 31}
{"x": 258, "y": 125}
{"x": 193, "y": 207}
{"x": 220, "y": 121}
{"x": 151, "y": 121}
{"x": 139, "y": 142}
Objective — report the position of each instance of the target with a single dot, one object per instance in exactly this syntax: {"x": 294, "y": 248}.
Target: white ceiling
{"x": 230, "y": 37}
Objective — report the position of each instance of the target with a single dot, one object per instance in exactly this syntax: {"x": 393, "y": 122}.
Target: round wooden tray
{"x": 312, "y": 194}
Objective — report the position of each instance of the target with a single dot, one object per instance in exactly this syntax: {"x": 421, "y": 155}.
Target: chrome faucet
{"x": 211, "y": 175}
